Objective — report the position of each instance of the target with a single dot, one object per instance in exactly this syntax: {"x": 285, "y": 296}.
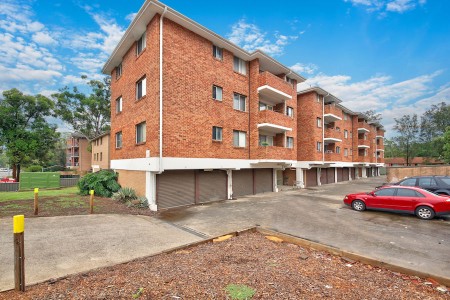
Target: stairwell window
{"x": 119, "y": 71}
{"x": 119, "y": 140}
{"x": 119, "y": 104}
{"x": 290, "y": 111}
{"x": 217, "y": 52}
{"x": 346, "y": 133}
{"x": 338, "y": 150}
{"x": 217, "y": 133}
{"x": 140, "y": 44}
{"x": 345, "y": 152}
{"x": 239, "y": 65}
{"x": 217, "y": 93}
{"x": 289, "y": 142}
{"x": 239, "y": 101}
{"x": 319, "y": 122}
{"x": 140, "y": 133}
{"x": 239, "y": 138}
{"x": 319, "y": 147}
{"x": 141, "y": 88}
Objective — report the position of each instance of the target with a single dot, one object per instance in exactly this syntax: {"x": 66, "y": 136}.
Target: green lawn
{"x": 27, "y": 195}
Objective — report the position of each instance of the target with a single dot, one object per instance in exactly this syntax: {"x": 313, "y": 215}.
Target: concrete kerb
{"x": 293, "y": 240}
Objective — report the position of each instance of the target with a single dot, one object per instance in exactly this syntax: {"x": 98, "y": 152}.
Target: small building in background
{"x": 78, "y": 156}
{"x": 100, "y": 152}
{"x": 416, "y": 161}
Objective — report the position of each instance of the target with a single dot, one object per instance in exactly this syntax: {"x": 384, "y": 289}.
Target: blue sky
{"x": 387, "y": 55}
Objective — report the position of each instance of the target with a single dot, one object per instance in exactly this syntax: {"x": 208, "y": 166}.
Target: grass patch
{"x": 27, "y": 195}
{"x": 239, "y": 292}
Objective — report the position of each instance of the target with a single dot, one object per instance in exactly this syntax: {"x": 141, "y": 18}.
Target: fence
{"x": 395, "y": 174}
{"x": 65, "y": 182}
{"x": 14, "y": 186}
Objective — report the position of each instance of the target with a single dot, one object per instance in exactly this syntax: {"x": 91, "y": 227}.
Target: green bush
{"x": 104, "y": 183}
{"x": 34, "y": 168}
{"x": 124, "y": 195}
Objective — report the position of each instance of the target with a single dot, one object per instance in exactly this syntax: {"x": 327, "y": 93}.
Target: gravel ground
{"x": 273, "y": 270}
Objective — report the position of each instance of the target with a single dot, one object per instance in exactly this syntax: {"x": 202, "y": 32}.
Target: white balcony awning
{"x": 380, "y": 137}
{"x": 273, "y": 128}
{"x": 380, "y": 150}
{"x": 331, "y": 140}
{"x": 363, "y": 147}
{"x": 362, "y": 130}
{"x": 329, "y": 118}
{"x": 272, "y": 94}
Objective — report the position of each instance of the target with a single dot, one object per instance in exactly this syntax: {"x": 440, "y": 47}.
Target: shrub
{"x": 124, "y": 194}
{"x": 104, "y": 183}
{"x": 34, "y": 168}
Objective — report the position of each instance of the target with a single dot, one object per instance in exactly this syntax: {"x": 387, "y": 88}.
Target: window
{"x": 385, "y": 192}
{"x": 408, "y": 182}
{"x": 338, "y": 150}
{"x": 101, "y": 141}
{"x": 140, "y": 133}
{"x": 140, "y": 44}
{"x": 427, "y": 181}
{"x": 101, "y": 156}
{"x": 338, "y": 129}
{"x": 319, "y": 122}
{"x": 217, "y": 52}
{"x": 217, "y": 93}
{"x": 345, "y": 133}
{"x": 263, "y": 106}
{"x": 318, "y": 98}
{"x": 239, "y": 65}
{"x": 345, "y": 117}
{"x": 289, "y": 142}
{"x": 239, "y": 138}
{"x": 406, "y": 193}
{"x": 141, "y": 88}
{"x": 217, "y": 133}
{"x": 290, "y": 111}
{"x": 119, "y": 104}
{"x": 319, "y": 146}
{"x": 265, "y": 140}
{"x": 239, "y": 102}
{"x": 119, "y": 139}
{"x": 119, "y": 71}
{"x": 445, "y": 180}
{"x": 290, "y": 80}
{"x": 345, "y": 152}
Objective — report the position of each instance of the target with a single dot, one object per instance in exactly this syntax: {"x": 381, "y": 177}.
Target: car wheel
{"x": 358, "y": 205}
{"x": 425, "y": 212}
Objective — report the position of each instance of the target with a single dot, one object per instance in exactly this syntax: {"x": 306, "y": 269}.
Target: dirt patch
{"x": 272, "y": 270}
{"x": 67, "y": 206}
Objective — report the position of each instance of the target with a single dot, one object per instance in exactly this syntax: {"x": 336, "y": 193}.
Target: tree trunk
{"x": 14, "y": 171}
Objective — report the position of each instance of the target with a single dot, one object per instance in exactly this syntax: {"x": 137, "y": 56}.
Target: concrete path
{"x": 59, "y": 246}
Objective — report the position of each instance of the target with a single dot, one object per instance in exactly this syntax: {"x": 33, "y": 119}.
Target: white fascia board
{"x": 363, "y": 130}
{"x": 334, "y": 140}
{"x": 363, "y": 146}
{"x": 342, "y": 164}
{"x": 272, "y": 127}
{"x": 332, "y": 117}
{"x": 380, "y": 137}
{"x": 380, "y": 150}
{"x": 136, "y": 164}
{"x": 273, "y": 92}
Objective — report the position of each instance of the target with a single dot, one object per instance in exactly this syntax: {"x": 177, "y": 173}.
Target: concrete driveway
{"x": 319, "y": 215}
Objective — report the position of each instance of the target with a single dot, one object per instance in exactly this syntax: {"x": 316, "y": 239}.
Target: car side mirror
{"x": 373, "y": 194}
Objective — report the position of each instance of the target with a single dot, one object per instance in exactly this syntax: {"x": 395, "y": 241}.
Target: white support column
{"x": 230, "y": 184}
{"x": 335, "y": 175}
{"x": 319, "y": 171}
{"x": 150, "y": 190}
{"x": 364, "y": 172}
{"x": 274, "y": 183}
{"x": 350, "y": 174}
{"x": 300, "y": 181}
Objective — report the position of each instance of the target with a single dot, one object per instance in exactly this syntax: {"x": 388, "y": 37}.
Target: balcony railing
{"x": 332, "y": 109}
{"x": 274, "y": 152}
{"x": 363, "y": 143}
{"x": 332, "y": 156}
{"x": 332, "y": 133}
{"x": 363, "y": 127}
{"x": 273, "y": 117}
{"x": 274, "y": 88}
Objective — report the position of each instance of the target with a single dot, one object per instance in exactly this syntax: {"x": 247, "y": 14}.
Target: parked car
{"x": 436, "y": 184}
{"x": 411, "y": 200}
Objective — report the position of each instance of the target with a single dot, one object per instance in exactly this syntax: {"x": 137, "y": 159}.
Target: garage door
{"x": 352, "y": 171}
{"x": 368, "y": 172}
{"x": 212, "y": 186}
{"x": 263, "y": 180}
{"x": 345, "y": 174}
{"x": 242, "y": 182}
{"x": 340, "y": 174}
{"x": 175, "y": 188}
{"x": 311, "y": 177}
{"x": 330, "y": 175}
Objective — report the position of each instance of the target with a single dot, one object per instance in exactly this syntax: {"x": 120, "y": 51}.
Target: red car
{"x": 412, "y": 200}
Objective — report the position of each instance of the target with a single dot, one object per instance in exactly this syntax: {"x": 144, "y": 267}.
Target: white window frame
{"x": 264, "y": 106}
{"x": 217, "y": 52}
{"x": 119, "y": 105}
{"x": 290, "y": 111}
{"x": 141, "y": 44}
{"x": 241, "y": 138}
{"x": 119, "y": 139}
{"x": 119, "y": 71}
{"x": 319, "y": 122}
{"x": 319, "y": 147}
{"x": 346, "y": 133}
{"x": 345, "y": 152}
{"x": 217, "y": 133}
{"x": 217, "y": 92}
{"x": 289, "y": 142}
{"x": 141, "y": 133}
{"x": 265, "y": 139}
{"x": 143, "y": 83}
{"x": 240, "y": 65}
{"x": 239, "y": 102}
{"x": 338, "y": 150}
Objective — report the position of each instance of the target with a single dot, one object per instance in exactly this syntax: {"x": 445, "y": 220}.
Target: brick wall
{"x": 308, "y": 132}
{"x": 85, "y": 156}
{"x": 102, "y": 149}
{"x": 132, "y": 179}
{"x": 395, "y": 174}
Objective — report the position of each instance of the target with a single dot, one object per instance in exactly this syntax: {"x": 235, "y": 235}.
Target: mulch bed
{"x": 273, "y": 270}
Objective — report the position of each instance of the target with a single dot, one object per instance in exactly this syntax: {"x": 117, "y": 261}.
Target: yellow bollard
{"x": 19, "y": 252}
{"x": 91, "y": 201}
{"x": 36, "y": 201}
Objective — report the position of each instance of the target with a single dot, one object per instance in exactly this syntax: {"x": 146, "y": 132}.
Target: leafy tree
{"x": 408, "y": 130}
{"x": 89, "y": 115}
{"x": 24, "y": 131}
{"x": 373, "y": 116}
{"x": 434, "y": 122}
{"x": 391, "y": 148}
{"x": 446, "y": 147}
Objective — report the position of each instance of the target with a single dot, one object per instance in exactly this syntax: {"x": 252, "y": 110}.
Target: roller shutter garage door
{"x": 212, "y": 186}
{"x": 368, "y": 172}
{"x": 311, "y": 177}
{"x": 263, "y": 180}
{"x": 345, "y": 174}
{"x": 330, "y": 175}
{"x": 352, "y": 171}
{"x": 175, "y": 188}
{"x": 242, "y": 182}
{"x": 340, "y": 174}
{"x": 327, "y": 176}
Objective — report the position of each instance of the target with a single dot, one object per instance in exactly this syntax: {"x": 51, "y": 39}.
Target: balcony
{"x": 332, "y": 136}
{"x": 274, "y": 152}
{"x": 363, "y": 144}
{"x": 331, "y": 156}
{"x": 274, "y": 122}
{"x": 363, "y": 127}
{"x": 274, "y": 89}
{"x": 331, "y": 114}
{"x": 362, "y": 158}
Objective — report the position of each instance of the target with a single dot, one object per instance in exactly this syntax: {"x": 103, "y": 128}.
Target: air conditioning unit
{"x": 329, "y": 151}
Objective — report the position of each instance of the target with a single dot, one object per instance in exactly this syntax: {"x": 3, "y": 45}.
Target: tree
{"x": 89, "y": 115}
{"x": 373, "y": 116}
{"x": 408, "y": 129}
{"x": 446, "y": 141}
{"x": 24, "y": 131}
{"x": 434, "y": 122}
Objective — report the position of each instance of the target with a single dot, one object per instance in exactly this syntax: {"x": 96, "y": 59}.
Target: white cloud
{"x": 305, "y": 68}
{"x": 130, "y": 17}
{"x": 251, "y": 38}
{"x": 399, "y": 6}
{"x": 43, "y": 38}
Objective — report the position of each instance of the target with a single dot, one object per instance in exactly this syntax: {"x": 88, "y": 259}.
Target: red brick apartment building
{"x": 77, "y": 155}
{"x": 194, "y": 118}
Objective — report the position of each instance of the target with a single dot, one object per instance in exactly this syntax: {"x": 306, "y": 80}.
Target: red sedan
{"x": 412, "y": 200}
